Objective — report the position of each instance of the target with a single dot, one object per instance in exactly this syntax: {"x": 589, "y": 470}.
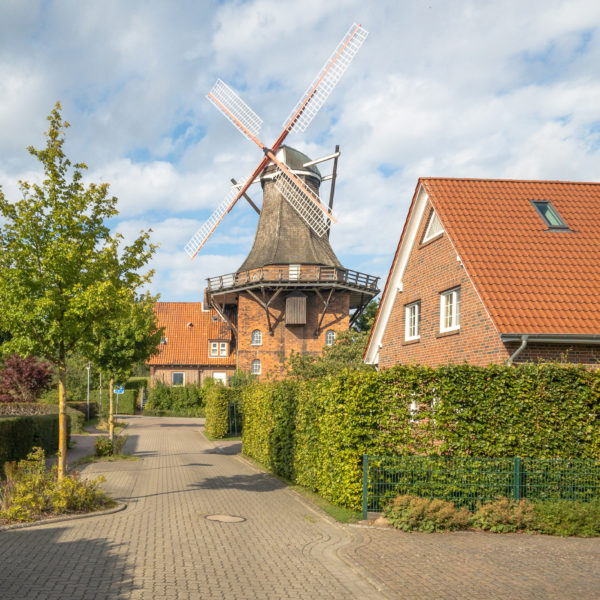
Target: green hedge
{"x": 18, "y": 435}
{"x": 17, "y": 409}
{"x": 218, "y": 398}
{"x": 183, "y": 401}
{"x": 124, "y": 404}
{"x": 315, "y": 432}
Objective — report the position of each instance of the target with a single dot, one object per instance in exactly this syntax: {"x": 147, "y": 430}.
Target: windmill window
{"x": 450, "y": 310}
{"x": 330, "y": 338}
{"x": 295, "y": 309}
{"x": 256, "y": 368}
{"x": 294, "y": 272}
{"x": 177, "y": 378}
{"x": 434, "y": 228}
{"x": 412, "y": 321}
{"x": 257, "y": 337}
{"x": 550, "y": 215}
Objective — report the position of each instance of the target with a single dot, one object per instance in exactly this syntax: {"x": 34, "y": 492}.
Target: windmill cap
{"x": 295, "y": 160}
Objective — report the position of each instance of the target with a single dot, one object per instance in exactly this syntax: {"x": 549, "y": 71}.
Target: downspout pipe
{"x": 518, "y": 350}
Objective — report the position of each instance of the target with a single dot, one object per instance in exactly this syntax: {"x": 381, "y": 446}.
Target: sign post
{"x": 118, "y": 391}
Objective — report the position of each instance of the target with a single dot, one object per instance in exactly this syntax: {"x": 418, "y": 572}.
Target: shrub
{"x": 185, "y": 401}
{"x": 411, "y": 513}
{"x": 505, "y": 515}
{"x": 18, "y": 435}
{"x": 31, "y": 492}
{"x": 104, "y": 447}
{"x": 565, "y": 518}
{"x": 24, "y": 379}
{"x": 76, "y": 419}
{"x": 218, "y": 398}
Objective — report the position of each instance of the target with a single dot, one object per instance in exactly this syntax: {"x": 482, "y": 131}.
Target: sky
{"x": 502, "y": 89}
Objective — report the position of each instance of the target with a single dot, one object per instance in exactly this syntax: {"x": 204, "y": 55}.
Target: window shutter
{"x": 295, "y": 309}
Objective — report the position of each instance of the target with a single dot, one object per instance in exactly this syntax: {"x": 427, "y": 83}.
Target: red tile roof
{"x": 530, "y": 279}
{"x": 188, "y": 331}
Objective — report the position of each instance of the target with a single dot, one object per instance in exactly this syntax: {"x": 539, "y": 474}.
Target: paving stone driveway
{"x": 162, "y": 546}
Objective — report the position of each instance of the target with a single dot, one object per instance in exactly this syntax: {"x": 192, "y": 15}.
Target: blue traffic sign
{"x": 119, "y": 390}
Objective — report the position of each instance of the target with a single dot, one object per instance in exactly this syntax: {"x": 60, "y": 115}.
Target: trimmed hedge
{"x": 218, "y": 398}
{"x": 177, "y": 401}
{"x": 124, "y": 404}
{"x": 14, "y": 409}
{"x": 315, "y": 432}
{"x": 18, "y": 435}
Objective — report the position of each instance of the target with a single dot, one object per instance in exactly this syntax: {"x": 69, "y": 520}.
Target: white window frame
{"x": 294, "y": 272}
{"x": 256, "y": 363}
{"x": 433, "y": 218}
{"x": 330, "y": 337}
{"x": 412, "y": 321}
{"x": 450, "y": 310}
{"x": 214, "y": 349}
{"x": 182, "y": 373}
{"x": 222, "y": 348}
{"x": 256, "y": 338}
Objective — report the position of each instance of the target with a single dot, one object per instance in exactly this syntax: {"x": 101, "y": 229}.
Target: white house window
{"x": 330, "y": 338}
{"x": 412, "y": 321}
{"x": 434, "y": 227}
{"x": 257, "y": 337}
{"x": 177, "y": 378}
{"x": 450, "y": 310}
{"x": 223, "y": 349}
{"x": 214, "y": 348}
{"x": 222, "y": 377}
{"x": 256, "y": 367}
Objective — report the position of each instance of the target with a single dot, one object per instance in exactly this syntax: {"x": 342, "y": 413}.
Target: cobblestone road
{"x": 162, "y": 546}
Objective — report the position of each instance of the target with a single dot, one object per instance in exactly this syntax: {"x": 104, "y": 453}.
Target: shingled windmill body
{"x": 291, "y": 294}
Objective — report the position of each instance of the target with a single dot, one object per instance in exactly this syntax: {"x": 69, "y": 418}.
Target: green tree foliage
{"x": 62, "y": 273}
{"x": 346, "y": 353}
{"x": 366, "y": 320}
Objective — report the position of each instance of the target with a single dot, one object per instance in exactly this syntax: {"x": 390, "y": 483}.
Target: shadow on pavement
{"x": 36, "y": 564}
{"x": 229, "y": 449}
{"x": 250, "y": 483}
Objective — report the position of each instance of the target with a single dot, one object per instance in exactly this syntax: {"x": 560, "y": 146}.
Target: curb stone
{"x": 109, "y": 511}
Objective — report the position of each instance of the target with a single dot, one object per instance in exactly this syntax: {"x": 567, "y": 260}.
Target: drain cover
{"x": 226, "y": 518}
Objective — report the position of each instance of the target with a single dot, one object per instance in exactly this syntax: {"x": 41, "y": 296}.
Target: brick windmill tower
{"x": 291, "y": 294}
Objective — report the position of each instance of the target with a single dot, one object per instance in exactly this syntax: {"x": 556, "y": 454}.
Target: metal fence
{"x": 235, "y": 420}
{"x": 467, "y": 481}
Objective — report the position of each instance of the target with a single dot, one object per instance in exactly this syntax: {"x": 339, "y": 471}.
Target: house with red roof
{"x": 493, "y": 271}
{"x": 196, "y": 344}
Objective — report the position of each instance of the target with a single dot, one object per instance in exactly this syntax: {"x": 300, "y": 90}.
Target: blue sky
{"x": 503, "y": 89}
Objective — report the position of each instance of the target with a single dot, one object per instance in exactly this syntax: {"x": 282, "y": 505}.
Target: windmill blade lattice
{"x": 309, "y": 209}
{"x": 318, "y": 91}
{"x": 199, "y": 238}
{"x": 235, "y": 109}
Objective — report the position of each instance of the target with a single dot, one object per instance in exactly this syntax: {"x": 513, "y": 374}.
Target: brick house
{"x": 493, "y": 271}
{"x": 196, "y": 344}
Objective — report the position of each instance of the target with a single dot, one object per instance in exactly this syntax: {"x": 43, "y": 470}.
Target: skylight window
{"x": 434, "y": 228}
{"x": 549, "y": 215}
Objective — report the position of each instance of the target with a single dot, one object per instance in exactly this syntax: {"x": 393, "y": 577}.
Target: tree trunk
{"x": 111, "y": 414}
{"x": 62, "y": 422}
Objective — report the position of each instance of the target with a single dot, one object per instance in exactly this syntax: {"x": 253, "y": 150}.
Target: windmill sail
{"x": 235, "y": 109}
{"x": 304, "y": 201}
{"x": 201, "y": 236}
{"x": 318, "y": 91}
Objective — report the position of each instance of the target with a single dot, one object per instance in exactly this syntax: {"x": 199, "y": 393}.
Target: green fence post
{"x": 365, "y": 484}
{"x": 517, "y": 478}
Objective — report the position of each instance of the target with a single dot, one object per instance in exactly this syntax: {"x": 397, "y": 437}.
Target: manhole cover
{"x": 226, "y": 518}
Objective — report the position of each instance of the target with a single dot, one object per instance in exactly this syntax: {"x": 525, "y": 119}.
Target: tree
{"x": 24, "y": 379}
{"x": 118, "y": 344}
{"x": 62, "y": 273}
{"x": 347, "y": 352}
{"x": 366, "y": 320}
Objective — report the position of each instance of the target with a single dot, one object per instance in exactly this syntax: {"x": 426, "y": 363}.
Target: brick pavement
{"x": 478, "y": 565}
{"x": 162, "y": 546}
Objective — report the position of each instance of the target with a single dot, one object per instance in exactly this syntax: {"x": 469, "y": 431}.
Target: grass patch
{"x": 229, "y": 438}
{"x": 92, "y": 458}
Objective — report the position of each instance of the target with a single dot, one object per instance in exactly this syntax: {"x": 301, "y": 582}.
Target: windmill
{"x": 304, "y": 200}
{"x": 291, "y": 285}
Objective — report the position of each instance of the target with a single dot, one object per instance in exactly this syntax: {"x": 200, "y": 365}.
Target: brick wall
{"x": 433, "y": 268}
{"x": 192, "y": 374}
{"x": 285, "y": 339}
{"x": 563, "y": 353}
